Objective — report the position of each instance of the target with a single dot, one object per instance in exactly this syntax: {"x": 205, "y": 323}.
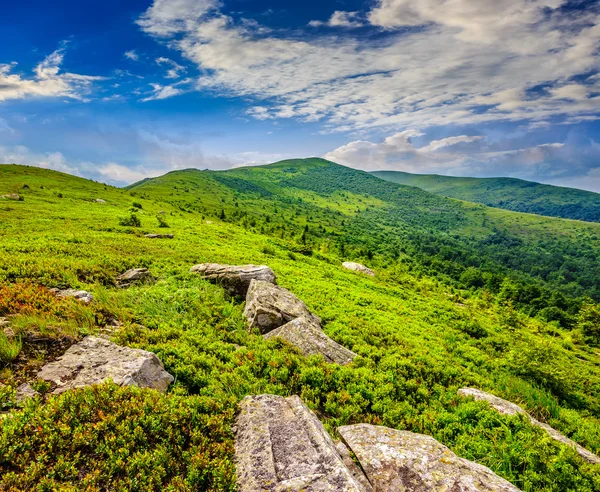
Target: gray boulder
{"x": 308, "y": 336}
{"x": 357, "y": 267}
{"x": 11, "y": 196}
{"x": 235, "y": 279}
{"x": 507, "y": 408}
{"x": 280, "y": 445}
{"x": 100, "y": 200}
{"x": 94, "y": 360}
{"x": 135, "y": 276}
{"x": 159, "y": 236}
{"x": 403, "y": 461}
{"x": 269, "y": 306}
{"x": 24, "y": 392}
{"x": 80, "y": 295}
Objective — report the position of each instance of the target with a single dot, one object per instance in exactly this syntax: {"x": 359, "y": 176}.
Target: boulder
{"x": 308, "y": 336}
{"x": 235, "y": 279}
{"x": 399, "y": 460}
{"x": 94, "y": 360}
{"x": 357, "y": 267}
{"x": 11, "y": 196}
{"x": 135, "y": 276}
{"x": 80, "y": 295}
{"x": 159, "y": 236}
{"x": 507, "y": 408}
{"x": 354, "y": 469}
{"x": 280, "y": 445}
{"x": 24, "y": 392}
{"x": 100, "y": 200}
{"x": 269, "y": 306}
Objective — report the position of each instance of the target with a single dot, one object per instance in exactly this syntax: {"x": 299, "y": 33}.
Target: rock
{"x": 308, "y": 336}
{"x": 94, "y": 360}
{"x": 135, "y": 276}
{"x": 80, "y": 295}
{"x": 357, "y": 267}
{"x": 235, "y": 279}
{"x": 99, "y": 200}
{"x": 403, "y": 461}
{"x": 24, "y": 392}
{"x": 11, "y": 196}
{"x": 354, "y": 469}
{"x": 6, "y": 328}
{"x": 507, "y": 408}
{"x": 280, "y": 445}
{"x": 269, "y": 306}
{"x": 159, "y": 236}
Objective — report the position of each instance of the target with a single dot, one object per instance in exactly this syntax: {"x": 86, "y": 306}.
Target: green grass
{"x": 419, "y": 337}
{"x": 509, "y": 193}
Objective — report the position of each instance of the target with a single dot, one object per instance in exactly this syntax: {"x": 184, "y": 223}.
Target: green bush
{"x": 132, "y": 221}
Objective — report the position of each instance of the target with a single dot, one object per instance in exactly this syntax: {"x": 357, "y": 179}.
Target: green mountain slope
{"x": 508, "y": 193}
{"x": 420, "y": 331}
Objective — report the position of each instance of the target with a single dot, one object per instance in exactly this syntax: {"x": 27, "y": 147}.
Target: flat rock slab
{"x": 25, "y": 392}
{"x": 310, "y": 339}
{"x": 159, "y": 236}
{"x": 94, "y": 360}
{"x": 403, "y": 461}
{"x": 135, "y": 276}
{"x": 235, "y": 279}
{"x": 269, "y": 306}
{"x": 281, "y": 446}
{"x": 80, "y": 295}
{"x": 357, "y": 267}
{"x": 508, "y": 408}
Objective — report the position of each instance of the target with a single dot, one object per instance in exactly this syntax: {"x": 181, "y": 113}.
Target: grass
{"x": 419, "y": 339}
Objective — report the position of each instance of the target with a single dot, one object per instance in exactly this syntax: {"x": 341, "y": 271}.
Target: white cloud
{"x": 165, "y": 91}
{"x": 175, "y": 71}
{"x": 461, "y": 55}
{"x": 340, "y": 19}
{"x": 131, "y": 55}
{"x": 48, "y": 81}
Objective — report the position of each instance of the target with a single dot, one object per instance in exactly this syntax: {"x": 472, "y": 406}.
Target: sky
{"x": 117, "y": 91}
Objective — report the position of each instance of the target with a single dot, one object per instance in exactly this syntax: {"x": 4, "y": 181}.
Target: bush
{"x": 136, "y": 205}
{"x": 162, "y": 222}
{"x": 131, "y": 221}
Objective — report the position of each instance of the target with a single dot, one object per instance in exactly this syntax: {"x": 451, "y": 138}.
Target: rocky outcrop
{"x": 80, "y": 295}
{"x": 135, "y": 276}
{"x": 282, "y": 446}
{"x": 269, "y": 306}
{"x": 235, "y": 279}
{"x": 25, "y": 392}
{"x": 94, "y": 360}
{"x": 507, "y": 408}
{"x": 308, "y": 336}
{"x": 159, "y": 236}
{"x": 357, "y": 267}
{"x": 399, "y": 460}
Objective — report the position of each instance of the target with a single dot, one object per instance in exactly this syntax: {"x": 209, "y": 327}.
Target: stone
{"x": 308, "y": 336}
{"x": 100, "y": 200}
{"x": 94, "y": 360}
{"x": 235, "y": 279}
{"x": 280, "y": 445}
{"x": 508, "y": 408}
{"x": 269, "y": 306}
{"x": 11, "y": 196}
{"x": 354, "y": 469}
{"x": 135, "y": 276}
{"x": 159, "y": 236}
{"x": 404, "y": 461}
{"x": 24, "y": 392}
{"x": 80, "y": 295}
{"x": 357, "y": 267}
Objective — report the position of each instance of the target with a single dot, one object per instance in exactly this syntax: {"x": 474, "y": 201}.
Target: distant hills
{"x": 508, "y": 193}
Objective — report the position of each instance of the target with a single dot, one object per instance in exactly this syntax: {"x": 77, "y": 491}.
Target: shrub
{"x": 136, "y": 205}
{"x": 131, "y": 221}
{"x": 162, "y": 222}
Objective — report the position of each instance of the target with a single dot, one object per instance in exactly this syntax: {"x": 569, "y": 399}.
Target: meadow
{"x": 447, "y": 309}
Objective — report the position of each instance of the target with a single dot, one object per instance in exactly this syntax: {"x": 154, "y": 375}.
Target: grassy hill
{"x": 448, "y": 308}
{"x": 508, "y": 193}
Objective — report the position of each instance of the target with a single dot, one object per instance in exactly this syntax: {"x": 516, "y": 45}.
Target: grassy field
{"x": 419, "y": 333}
{"x": 509, "y": 193}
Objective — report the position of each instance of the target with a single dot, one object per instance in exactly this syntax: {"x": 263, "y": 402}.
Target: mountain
{"x": 508, "y": 193}
{"x": 464, "y": 295}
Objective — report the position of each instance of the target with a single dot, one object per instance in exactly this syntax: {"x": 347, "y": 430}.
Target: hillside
{"x": 508, "y": 193}
{"x": 464, "y": 295}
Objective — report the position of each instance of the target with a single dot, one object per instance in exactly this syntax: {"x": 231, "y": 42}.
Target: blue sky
{"x": 117, "y": 91}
